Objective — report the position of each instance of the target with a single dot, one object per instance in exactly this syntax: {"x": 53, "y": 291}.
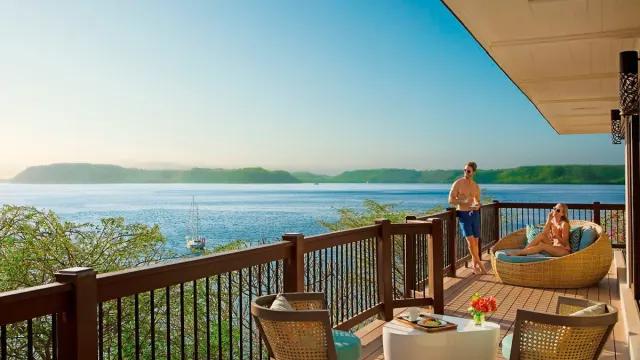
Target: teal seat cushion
{"x": 589, "y": 235}
{"x": 532, "y": 231}
{"x": 503, "y": 255}
{"x": 347, "y": 345}
{"x": 506, "y": 346}
{"x": 574, "y": 238}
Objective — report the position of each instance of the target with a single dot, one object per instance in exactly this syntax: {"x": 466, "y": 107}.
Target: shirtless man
{"x": 465, "y": 196}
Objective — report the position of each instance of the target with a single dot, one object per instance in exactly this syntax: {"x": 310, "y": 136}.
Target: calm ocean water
{"x": 263, "y": 212}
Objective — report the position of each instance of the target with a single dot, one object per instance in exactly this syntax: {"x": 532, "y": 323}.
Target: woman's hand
{"x": 550, "y": 216}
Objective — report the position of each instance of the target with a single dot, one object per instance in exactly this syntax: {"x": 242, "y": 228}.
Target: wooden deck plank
{"x": 510, "y": 298}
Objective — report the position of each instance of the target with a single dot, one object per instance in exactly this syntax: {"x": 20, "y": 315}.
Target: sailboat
{"x": 195, "y": 240}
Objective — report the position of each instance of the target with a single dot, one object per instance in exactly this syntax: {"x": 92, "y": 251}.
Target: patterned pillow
{"x": 574, "y": 238}
{"x": 533, "y": 231}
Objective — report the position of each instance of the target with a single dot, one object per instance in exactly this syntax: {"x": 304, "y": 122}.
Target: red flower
{"x": 484, "y": 304}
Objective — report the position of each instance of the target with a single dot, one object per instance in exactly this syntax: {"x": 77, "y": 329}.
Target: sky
{"x": 323, "y": 86}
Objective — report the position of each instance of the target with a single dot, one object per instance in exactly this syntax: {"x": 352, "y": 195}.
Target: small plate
{"x": 429, "y": 322}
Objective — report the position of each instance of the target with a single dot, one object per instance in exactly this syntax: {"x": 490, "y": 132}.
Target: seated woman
{"x": 554, "y": 238}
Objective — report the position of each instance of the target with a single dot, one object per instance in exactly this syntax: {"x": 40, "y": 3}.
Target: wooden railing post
{"x": 293, "y": 272}
{"x": 496, "y": 220}
{"x": 452, "y": 243}
{"x": 76, "y": 330}
{"x": 384, "y": 254}
{"x": 596, "y": 212}
{"x": 436, "y": 283}
{"x": 410, "y": 262}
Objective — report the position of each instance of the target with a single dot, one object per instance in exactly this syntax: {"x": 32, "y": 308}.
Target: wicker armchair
{"x": 580, "y": 269}
{"x": 560, "y": 336}
{"x": 294, "y": 335}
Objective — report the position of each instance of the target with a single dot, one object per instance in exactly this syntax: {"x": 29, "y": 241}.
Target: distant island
{"x": 113, "y": 174}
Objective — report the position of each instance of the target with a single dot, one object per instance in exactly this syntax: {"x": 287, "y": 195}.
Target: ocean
{"x": 263, "y": 212}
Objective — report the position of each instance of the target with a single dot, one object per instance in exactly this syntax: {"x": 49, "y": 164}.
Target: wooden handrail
{"x": 128, "y": 282}
{"x": 33, "y": 302}
{"x": 581, "y": 206}
{"x": 317, "y": 242}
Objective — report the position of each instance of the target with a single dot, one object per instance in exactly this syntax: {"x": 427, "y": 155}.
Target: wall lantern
{"x": 617, "y": 130}
{"x": 629, "y": 100}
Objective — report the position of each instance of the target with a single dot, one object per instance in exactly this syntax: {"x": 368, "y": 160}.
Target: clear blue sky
{"x": 321, "y": 86}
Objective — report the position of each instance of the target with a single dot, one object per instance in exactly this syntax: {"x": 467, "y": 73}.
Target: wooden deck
{"x": 459, "y": 290}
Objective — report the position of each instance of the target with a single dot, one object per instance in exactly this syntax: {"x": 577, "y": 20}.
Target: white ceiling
{"x": 562, "y": 54}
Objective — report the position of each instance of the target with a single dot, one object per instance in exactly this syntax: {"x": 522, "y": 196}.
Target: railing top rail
{"x": 137, "y": 280}
{"x": 33, "y": 302}
{"x": 586, "y": 206}
{"x": 412, "y": 227}
{"x": 323, "y": 241}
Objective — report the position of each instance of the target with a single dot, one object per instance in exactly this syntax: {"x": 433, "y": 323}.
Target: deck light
{"x": 629, "y": 104}
{"x": 617, "y": 130}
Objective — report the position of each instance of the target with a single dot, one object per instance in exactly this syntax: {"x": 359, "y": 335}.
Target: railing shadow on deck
{"x": 199, "y": 307}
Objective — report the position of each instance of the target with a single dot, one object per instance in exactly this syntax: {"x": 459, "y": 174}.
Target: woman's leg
{"x": 552, "y": 250}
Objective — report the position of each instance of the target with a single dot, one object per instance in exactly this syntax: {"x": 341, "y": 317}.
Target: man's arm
{"x": 453, "y": 194}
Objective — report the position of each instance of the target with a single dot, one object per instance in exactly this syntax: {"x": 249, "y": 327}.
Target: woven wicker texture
{"x": 303, "y": 334}
{"x": 296, "y": 340}
{"x": 580, "y": 269}
{"x": 546, "y": 342}
{"x": 559, "y": 336}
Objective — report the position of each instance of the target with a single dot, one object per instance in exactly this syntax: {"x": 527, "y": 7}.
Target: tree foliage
{"x": 34, "y": 244}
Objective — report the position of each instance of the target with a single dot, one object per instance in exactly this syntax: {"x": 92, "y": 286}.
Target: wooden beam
{"x": 616, "y": 34}
{"x": 548, "y": 79}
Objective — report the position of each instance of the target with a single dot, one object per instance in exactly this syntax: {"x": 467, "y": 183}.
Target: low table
{"x": 469, "y": 341}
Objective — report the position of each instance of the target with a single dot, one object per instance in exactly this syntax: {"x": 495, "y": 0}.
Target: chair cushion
{"x": 280, "y": 303}
{"x": 574, "y": 238}
{"x": 589, "y": 235}
{"x": 347, "y": 345}
{"x": 592, "y": 310}
{"x": 532, "y": 231}
{"x": 503, "y": 255}
{"x": 506, "y": 346}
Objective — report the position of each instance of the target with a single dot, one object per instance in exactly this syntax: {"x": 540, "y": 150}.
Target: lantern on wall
{"x": 629, "y": 95}
{"x": 629, "y": 83}
{"x": 617, "y": 130}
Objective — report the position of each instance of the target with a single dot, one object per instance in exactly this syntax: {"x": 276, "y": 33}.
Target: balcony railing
{"x": 199, "y": 307}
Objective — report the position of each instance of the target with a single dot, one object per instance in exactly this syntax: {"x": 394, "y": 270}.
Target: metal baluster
{"x": 168, "y": 316}
{"x": 30, "y": 339}
{"x": 152, "y": 306}
{"x": 119, "y": 324}
{"x": 136, "y": 325}
{"x": 207, "y": 316}
{"x": 240, "y": 315}
{"x": 100, "y": 332}
{"x": 230, "y": 308}
{"x": 54, "y": 337}
{"x": 182, "y": 344}
{"x": 195, "y": 320}
{"x": 219, "y": 317}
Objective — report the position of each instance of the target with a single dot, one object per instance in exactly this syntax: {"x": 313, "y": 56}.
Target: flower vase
{"x": 478, "y": 318}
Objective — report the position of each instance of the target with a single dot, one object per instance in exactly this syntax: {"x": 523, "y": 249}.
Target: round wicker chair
{"x": 580, "y": 269}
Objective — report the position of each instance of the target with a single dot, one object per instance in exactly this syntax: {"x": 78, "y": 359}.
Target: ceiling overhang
{"x": 562, "y": 54}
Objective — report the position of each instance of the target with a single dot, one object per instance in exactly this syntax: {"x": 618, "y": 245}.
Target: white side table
{"x": 469, "y": 341}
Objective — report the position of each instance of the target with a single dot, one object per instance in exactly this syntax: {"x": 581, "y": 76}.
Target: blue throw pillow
{"x": 589, "y": 235}
{"x": 574, "y": 238}
{"x": 532, "y": 231}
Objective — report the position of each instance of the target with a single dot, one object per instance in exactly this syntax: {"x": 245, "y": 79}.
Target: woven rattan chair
{"x": 304, "y": 334}
{"x": 580, "y": 269}
{"x": 560, "y": 336}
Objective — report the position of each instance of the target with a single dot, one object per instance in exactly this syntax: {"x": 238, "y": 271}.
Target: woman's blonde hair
{"x": 565, "y": 210}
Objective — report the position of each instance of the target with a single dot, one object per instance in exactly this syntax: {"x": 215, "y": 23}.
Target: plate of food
{"x": 430, "y": 322}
